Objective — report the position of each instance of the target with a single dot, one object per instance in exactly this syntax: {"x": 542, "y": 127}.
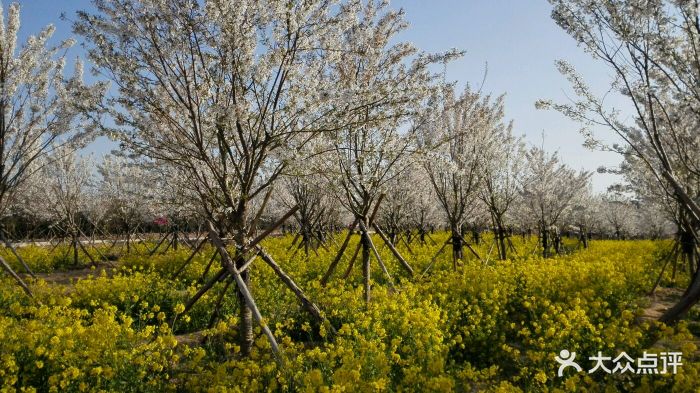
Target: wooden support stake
{"x": 408, "y": 246}
{"x": 247, "y": 263}
{"x": 19, "y": 258}
{"x": 243, "y": 289}
{"x": 150, "y": 254}
{"x": 97, "y": 250}
{"x": 217, "y": 306}
{"x": 294, "y": 241}
{"x": 466, "y": 244}
{"x": 376, "y": 254}
{"x": 55, "y": 246}
{"x": 14, "y": 275}
{"x": 190, "y": 258}
{"x": 254, "y": 224}
{"x": 398, "y": 256}
{"x": 305, "y": 301}
{"x": 431, "y": 239}
{"x": 348, "y": 270}
{"x": 269, "y": 230}
{"x": 211, "y": 262}
{"x": 82, "y": 247}
{"x": 338, "y": 256}
{"x": 432, "y": 261}
{"x": 671, "y": 256}
{"x": 376, "y": 209}
{"x": 335, "y": 262}
{"x": 473, "y": 252}
{"x": 220, "y": 275}
{"x": 114, "y": 243}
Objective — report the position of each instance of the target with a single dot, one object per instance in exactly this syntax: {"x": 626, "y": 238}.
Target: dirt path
{"x": 68, "y": 276}
{"x": 660, "y": 301}
{"x": 193, "y": 339}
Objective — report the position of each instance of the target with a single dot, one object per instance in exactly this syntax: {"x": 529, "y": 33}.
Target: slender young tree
{"x": 619, "y": 213}
{"x": 586, "y": 217}
{"x": 127, "y": 188}
{"x": 549, "y": 191}
{"x": 457, "y": 143}
{"x": 41, "y": 111}
{"x": 503, "y": 167}
{"x": 424, "y": 213}
{"x": 317, "y": 208}
{"x": 64, "y": 188}
{"x": 389, "y": 84}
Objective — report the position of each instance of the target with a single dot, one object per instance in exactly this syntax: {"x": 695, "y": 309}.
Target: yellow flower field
{"x": 489, "y": 326}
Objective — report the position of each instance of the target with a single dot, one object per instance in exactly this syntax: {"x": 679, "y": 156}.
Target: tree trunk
{"x": 245, "y": 315}
{"x": 457, "y": 247}
{"x": 245, "y": 323}
{"x": 557, "y": 243}
{"x": 306, "y": 239}
{"x": 544, "y": 236}
{"x": 14, "y": 275}
{"x": 366, "y": 271}
{"x": 685, "y": 303}
{"x": 75, "y": 249}
{"x": 501, "y": 238}
{"x": 688, "y": 248}
{"x": 392, "y": 236}
{"x": 245, "y": 296}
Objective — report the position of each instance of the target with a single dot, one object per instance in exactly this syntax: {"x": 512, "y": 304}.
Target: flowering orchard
{"x": 301, "y": 200}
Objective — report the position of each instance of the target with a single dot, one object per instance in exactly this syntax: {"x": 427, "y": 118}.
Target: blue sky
{"x": 516, "y": 38}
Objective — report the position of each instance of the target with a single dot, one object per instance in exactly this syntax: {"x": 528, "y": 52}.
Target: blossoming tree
{"x": 503, "y": 168}
{"x": 456, "y": 143}
{"x": 127, "y": 188}
{"x": 387, "y": 84}
{"x": 41, "y": 112}
{"x": 227, "y": 93}
{"x": 651, "y": 49}
{"x": 64, "y": 188}
{"x": 549, "y": 191}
